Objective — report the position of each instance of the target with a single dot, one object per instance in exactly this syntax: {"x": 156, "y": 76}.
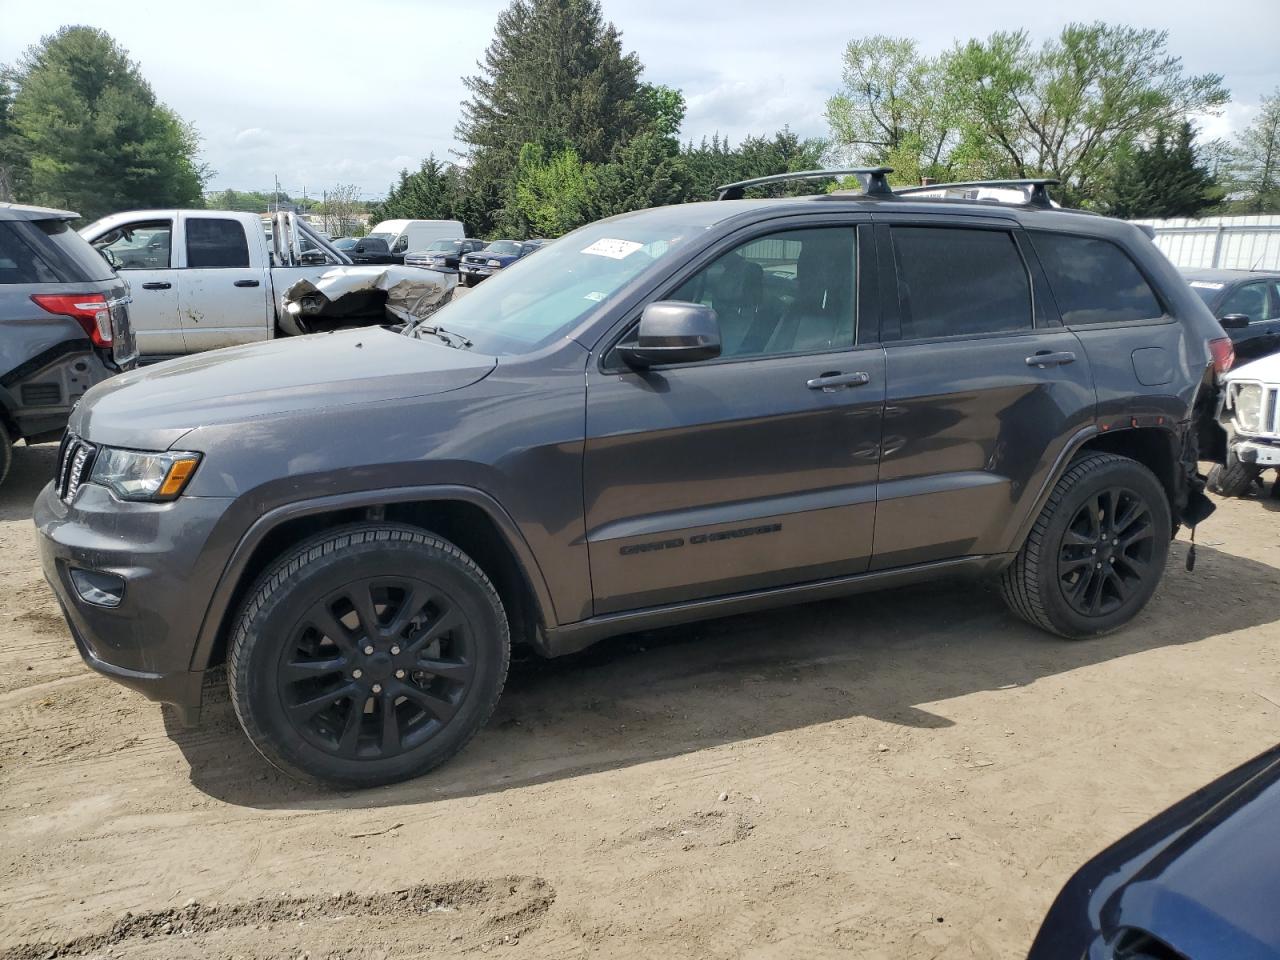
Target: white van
{"x": 409, "y": 236}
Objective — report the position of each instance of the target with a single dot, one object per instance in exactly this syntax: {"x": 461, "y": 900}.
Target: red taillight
{"x": 90, "y": 310}
{"x": 1224, "y": 354}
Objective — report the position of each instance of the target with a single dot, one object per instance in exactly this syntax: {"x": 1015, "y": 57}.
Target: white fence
{"x": 1231, "y": 243}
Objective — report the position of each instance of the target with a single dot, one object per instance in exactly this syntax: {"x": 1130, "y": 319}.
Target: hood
{"x": 1265, "y": 369}
{"x": 151, "y": 408}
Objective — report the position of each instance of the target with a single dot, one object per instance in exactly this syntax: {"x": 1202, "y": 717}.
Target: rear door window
{"x": 957, "y": 281}
{"x": 1094, "y": 281}
{"x": 214, "y": 243}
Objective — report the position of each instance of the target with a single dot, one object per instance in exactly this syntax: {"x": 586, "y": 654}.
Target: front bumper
{"x": 479, "y": 272}
{"x": 158, "y": 550}
{"x": 1261, "y": 453}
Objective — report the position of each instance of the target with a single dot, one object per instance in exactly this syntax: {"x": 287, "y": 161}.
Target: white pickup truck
{"x": 202, "y": 279}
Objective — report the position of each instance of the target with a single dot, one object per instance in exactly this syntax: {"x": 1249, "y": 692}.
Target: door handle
{"x": 828, "y": 382}
{"x": 1048, "y": 359}
{"x": 246, "y": 283}
{"x": 157, "y": 285}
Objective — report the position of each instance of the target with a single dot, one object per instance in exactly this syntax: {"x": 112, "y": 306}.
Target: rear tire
{"x": 6, "y": 452}
{"x": 367, "y": 655}
{"x": 1233, "y": 478}
{"x": 1096, "y": 552}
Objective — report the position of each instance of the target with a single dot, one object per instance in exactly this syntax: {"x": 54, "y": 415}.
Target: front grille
{"x": 75, "y": 460}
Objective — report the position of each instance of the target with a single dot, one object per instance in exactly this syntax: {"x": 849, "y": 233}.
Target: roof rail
{"x": 1038, "y": 196}
{"x": 873, "y": 181}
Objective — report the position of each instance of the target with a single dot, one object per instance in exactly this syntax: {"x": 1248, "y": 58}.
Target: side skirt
{"x": 572, "y": 637}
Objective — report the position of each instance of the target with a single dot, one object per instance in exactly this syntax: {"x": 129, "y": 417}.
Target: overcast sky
{"x": 323, "y": 92}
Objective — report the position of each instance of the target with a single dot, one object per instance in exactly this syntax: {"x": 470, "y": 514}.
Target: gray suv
{"x": 64, "y": 324}
{"x": 679, "y": 413}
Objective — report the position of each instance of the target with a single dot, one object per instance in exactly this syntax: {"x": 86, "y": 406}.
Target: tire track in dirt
{"x": 466, "y": 914}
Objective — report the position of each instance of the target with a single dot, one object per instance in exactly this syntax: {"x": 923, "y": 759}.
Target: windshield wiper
{"x": 455, "y": 340}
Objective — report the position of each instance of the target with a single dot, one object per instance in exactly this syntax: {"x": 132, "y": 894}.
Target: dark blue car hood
{"x": 1203, "y": 877}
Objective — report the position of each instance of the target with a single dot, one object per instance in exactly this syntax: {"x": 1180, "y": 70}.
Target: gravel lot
{"x": 910, "y": 774}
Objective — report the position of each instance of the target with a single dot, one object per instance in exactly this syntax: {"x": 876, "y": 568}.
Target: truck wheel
{"x": 1233, "y": 478}
{"x": 6, "y": 452}
{"x": 1096, "y": 552}
{"x": 367, "y": 655}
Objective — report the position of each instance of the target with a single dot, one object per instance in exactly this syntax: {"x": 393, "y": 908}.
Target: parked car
{"x": 443, "y": 255}
{"x": 202, "y": 279}
{"x": 1197, "y": 882}
{"x": 1246, "y": 303}
{"x": 367, "y": 250}
{"x": 633, "y": 430}
{"x": 486, "y": 262}
{"x": 64, "y": 324}
{"x": 410, "y": 236}
{"x": 1251, "y": 415}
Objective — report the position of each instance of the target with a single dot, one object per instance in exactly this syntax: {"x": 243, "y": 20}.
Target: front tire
{"x": 1233, "y": 478}
{"x": 1096, "y": 552}
{"x": 367, "y": 655}
{"x": 6, "y": 452}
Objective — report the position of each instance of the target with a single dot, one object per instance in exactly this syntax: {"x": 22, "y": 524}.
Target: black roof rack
{"x": 1038, "y": 196}
{"x": 873, "y": 180}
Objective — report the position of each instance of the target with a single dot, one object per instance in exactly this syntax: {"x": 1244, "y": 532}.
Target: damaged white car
{"x": 1251, "y": 415}
{"x": 366, "y": 295}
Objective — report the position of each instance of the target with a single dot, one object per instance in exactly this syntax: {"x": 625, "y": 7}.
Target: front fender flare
{"x": 224, "y": 592}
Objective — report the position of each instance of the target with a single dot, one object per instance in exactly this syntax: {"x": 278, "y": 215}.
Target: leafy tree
{"x": 555, "y": 76}
{"x": 1070, "y": 107}
{"x": 553, "y": 194}
{"x": 1165, "y": 179}
{"x": 664, "y": 108}
{"x": 716, "y": 162}
{"x": 96, "y": 139}
{"x": 429, "y": 193}
{"x": 893, "y": 109}
{"x": 1256, "y": 161}
{"x": 13, "y": 163}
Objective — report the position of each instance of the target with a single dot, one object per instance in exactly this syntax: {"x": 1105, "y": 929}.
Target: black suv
{"x": 675, "y": 414}
{"x": 64, "y": 324}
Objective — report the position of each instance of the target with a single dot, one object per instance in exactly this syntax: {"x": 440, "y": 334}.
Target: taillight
{"x": 1224, "y": 354}
{"x": 90, "y": 310}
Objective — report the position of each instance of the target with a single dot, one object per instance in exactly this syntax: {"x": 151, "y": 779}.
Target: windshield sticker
{"x": 1207, "y": 284}
{"x": 613, "y": 249}
{"x": 595, "y": 295}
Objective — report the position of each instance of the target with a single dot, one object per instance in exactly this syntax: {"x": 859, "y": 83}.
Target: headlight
{"x": 495, "y": 263}
{"x": 1248, "y": 406}
{"x": 138, "y": 475}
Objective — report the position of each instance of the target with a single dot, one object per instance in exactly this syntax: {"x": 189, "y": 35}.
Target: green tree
{"x": 893, "y": 109}
{"x": 96, "y": 139}
{"x": 429, "y": 193}
{"x": 553, "y": 194}
{"x": 1256, "y": 161}
{"x": 13, "y": 162}
{"x": 646, "y": 171}
{"x": 556, "y": 76}
{"x": 664, "y": 108}
{"x": 1070, "y": 107}
{"x": 1165, "y": 179}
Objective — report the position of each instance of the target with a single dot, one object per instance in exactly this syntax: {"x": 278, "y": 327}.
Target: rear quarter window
{"x": 1094, "y": 281}
{"x": 47, "y": 251}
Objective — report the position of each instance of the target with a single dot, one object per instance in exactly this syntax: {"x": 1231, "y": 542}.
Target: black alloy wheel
{"x": 1106, "y": 551}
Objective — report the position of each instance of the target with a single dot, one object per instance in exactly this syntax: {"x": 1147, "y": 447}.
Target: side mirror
{"x": 1234, "y": 321}
{"x": 671, "y": 331}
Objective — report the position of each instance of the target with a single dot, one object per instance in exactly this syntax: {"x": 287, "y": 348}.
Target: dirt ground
{"x": 909, "y": 774}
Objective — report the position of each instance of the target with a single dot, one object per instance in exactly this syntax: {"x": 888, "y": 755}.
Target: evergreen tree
{"x": 96, "y": 139}
{"x": 1165, "y": 179}
{"x": 554, "y": 76}
{"x": 429, "y": 193}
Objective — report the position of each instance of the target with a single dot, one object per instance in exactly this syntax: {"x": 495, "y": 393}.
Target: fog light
{"x": 100, "y": 589}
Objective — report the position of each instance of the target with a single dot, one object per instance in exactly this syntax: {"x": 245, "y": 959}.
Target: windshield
{"x": 503, "y": 248}
{"x": 1208, "y": 290}
{"x": 445, "y": 246}
{"x": 345, "y": 243}
{"x": 383, "y": 236}
{"x": 537, "y": 299}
